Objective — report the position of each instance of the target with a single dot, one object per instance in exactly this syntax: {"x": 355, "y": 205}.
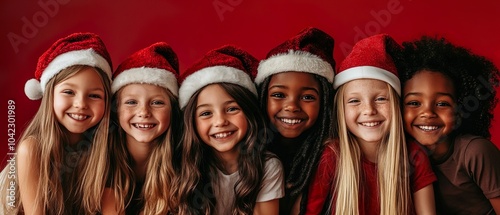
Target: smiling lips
{"x": 78, "y": 117}
{"x": 222, "y": 135}
{"x": 427, "y": 127}
{"x": 290, "y": 121}
{"x": 370, "y": 124}
{"x": 143, "y": 126}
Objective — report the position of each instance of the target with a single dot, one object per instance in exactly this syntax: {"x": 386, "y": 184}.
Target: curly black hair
{"x": 474, "y": 78}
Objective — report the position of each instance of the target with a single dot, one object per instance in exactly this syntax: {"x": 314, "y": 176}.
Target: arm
{"x": 28, "y": 177}
{"x": 270, "y": 207}
{"x": 495, "y": 202}
{"x": 273, "y": 188}
{"x": 421, "y": 179}
{"x": 424, "y": 201}
{"x": 483, "y": 162}
{"x": 320, "y": 187}
{"x": 108, "y": 202}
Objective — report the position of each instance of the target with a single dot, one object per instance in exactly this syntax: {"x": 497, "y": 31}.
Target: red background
{"x": 194, "y": 27}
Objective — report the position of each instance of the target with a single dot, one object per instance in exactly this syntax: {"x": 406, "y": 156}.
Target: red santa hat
{"x": 309, "y": 51}
{"x": 228, "y": 64}
{"x": 369, "y": 59}
{"x": 75, "y": 49}
{"x": 157, "y": 65}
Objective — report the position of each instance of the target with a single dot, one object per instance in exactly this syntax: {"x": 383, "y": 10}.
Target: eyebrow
{"x": 418, "y": 94}
{"x": 285, "y": 87}
{"x": 74, "y": 85}
{"x": 208, "y": 105}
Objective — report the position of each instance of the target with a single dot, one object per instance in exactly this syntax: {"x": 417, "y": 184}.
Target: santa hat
{"x": 157, "y": 65}
{"x": 75, "y": 49}
{"x": 228, "y": 64}
{"x": 369, "y": 59}
{"x": 310, "y": 51}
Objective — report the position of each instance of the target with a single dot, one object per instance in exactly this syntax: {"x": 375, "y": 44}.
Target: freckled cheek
{"x": 99, "y": 110}
{"x": 166, "y": 120}
{"x": 124, "y": 116}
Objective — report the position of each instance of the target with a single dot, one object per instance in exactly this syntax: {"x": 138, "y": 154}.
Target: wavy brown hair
{"x": 199, "y": 162}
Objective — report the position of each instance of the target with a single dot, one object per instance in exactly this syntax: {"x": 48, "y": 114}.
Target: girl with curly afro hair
{"x": 448, "y": 101}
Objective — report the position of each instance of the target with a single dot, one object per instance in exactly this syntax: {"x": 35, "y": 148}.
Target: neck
{"x": 229, "y": 162}
{"x": 290, "y": 144}
{"x": 140, "y": 154}
{"x": 439, "y": 150}
{"x": 74, "y": 139}
{"x": 369, "y": 150}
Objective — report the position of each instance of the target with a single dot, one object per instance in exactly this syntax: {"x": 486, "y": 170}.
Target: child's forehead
{"x": 293, "y": 78}
{"x": 429, "y": 81}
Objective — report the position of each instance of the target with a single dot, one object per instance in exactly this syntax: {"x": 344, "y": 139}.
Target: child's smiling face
{"x": 293, "y": 102}
{"x": 429, "y": 107}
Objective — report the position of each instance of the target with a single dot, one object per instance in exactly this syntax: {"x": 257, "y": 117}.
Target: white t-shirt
{"x": 273, "y": 186}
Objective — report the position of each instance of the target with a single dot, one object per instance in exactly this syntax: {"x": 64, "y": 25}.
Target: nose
{"x": 220, "y": 120}
{"x": 292, "y": 105}
{"x": 80, "y": 102}
{"x": 427, "y": 111}
{"x": 143, "y": 111}
{"x": 369, "y": 108}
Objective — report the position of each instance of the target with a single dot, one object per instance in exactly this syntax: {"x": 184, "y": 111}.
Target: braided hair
{"x": 306, "y": 159}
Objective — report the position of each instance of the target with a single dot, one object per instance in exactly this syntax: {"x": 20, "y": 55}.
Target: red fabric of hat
{"x": 369, "y": 59}
{"x": 227, "y": 64}
{"x": 156, "y": 64}
{"x": 311, "y": 51}
{"x": 75, "y": 49}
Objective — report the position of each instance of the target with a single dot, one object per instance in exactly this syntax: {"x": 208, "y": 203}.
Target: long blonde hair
{"x": 392, "y": 164}
{"x": 160, "y": 170}
{"x": 58, "y": 174}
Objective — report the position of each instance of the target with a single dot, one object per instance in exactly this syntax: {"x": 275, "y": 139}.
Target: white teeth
{"x": 78, "y": 116}
{"x": 222, "y": 135}
{"x": 428, "y": 127}
{"x": 370, "y": 124}
{"x": 291, "y": 121}
{"x": 144, "y": 125}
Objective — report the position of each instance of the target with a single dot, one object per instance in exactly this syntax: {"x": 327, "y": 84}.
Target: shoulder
{"x": 477, "y": 148}
{"x": 26, "y": 149}
{"x": 329, "y": 154}
{"x": 272, "y": 163}
{"x": 416, "y": 151}
{"x": 477, "y": 144}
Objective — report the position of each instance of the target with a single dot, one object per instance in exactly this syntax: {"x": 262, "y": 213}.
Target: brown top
{"x": 468, "y": 176}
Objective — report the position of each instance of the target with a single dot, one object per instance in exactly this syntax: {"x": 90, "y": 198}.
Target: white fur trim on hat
{"x": 367, "y": 72}
{"x": 146, "y": 75}
{"x": 299, "y": 61}
{"x": 211, "y": 75}
{"x": 79, "y": 57}
{"x": 33, "y": 90}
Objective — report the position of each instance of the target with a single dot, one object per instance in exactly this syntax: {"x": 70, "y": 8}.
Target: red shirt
{"x": 322, "y": 184}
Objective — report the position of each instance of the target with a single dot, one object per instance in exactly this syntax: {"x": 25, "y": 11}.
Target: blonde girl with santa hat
{"x": 147, "y": 120}
{"x": 68, "y": 135}
{"x": 369, "y": 168}
{"x": 225, "y": 168}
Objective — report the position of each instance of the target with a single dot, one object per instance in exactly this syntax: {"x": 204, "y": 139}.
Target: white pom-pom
{"x": 33, "y": 89}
